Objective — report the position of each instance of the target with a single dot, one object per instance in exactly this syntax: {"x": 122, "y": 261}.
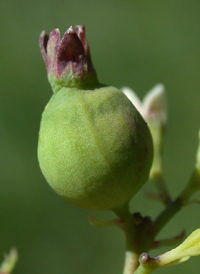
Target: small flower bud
{"x": 155, "y": 105}
{"x": 153, "y": 108}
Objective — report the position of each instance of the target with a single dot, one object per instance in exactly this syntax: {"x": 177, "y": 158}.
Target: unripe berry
{"x": 95, "y": 150}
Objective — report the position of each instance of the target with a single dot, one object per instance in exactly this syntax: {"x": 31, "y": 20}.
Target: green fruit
{"x": 95, "y": 150}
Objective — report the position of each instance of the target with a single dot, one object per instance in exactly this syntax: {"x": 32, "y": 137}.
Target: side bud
{"x": 153, "y": 109}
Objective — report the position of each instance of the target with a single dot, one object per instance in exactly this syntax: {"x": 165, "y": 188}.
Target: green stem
{"x": 131, "y": 254}
{"x": 174, "y": 207}
{"x": 193, "y": 185}
{"x": 131, "y": 262}
{"x": 124, "y": 212}
{"x": 142, "y": 270}
{"x": 165, "y": 216}
{"x": 140, "y": 235}
{"x": 147, "y": 264}
{"x": 162, "y": 188}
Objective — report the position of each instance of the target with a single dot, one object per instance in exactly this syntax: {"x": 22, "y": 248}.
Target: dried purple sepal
{"x": 43, "y": 45}
{"x": 52, "y": 49}
{"x": 69, "y": 59}
{"x": 80, "y": 31}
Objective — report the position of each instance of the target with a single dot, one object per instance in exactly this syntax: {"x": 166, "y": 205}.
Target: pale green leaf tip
{"x": 188, "y": 248}
{"x": 9, "y": 261}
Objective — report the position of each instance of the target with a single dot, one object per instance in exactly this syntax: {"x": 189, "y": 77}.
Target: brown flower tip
{"x": 67, "y": 61}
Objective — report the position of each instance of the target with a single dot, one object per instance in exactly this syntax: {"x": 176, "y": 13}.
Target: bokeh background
{"x": 133, "y": 43}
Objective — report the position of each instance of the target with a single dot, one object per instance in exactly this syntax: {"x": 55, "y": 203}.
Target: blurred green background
{"x": 133, "y": 43}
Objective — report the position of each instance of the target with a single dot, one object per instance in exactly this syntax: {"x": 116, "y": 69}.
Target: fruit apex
{"x": 68, "y": 60}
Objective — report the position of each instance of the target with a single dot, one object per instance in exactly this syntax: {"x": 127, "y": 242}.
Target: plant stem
{"x": 165, "y": 216}
{"x": 174, "y": 207}
{"x": 141, "y": 232}
{"x": 131, "y": 254}
{"x": 131, "y": 262}
{"x": 162, "y": 188}
{"x": 142, "y": 270}
{"x": 124, "y": 212}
